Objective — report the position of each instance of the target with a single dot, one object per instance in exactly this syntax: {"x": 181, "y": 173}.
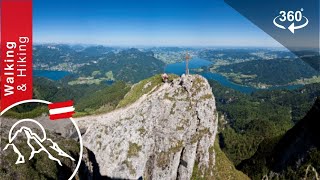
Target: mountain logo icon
{"x": 35, "y": 139}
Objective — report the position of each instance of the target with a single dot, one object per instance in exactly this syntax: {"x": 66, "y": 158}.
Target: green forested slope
{"x": 249, "y": 119}
{"x": 271, "y": 72}
{"x": 290, "y": 155}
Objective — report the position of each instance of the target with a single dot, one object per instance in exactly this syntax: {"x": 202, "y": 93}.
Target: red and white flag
{"x": 61, "y": 110}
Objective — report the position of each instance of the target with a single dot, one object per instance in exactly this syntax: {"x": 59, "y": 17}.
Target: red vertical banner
{"x": 16, "y": 51}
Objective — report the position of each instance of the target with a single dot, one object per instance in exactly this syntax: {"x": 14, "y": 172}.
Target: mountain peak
{"x": 161, "y": 131}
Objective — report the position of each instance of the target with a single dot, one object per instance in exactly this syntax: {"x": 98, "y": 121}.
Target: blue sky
{"x": 144, "y": 22}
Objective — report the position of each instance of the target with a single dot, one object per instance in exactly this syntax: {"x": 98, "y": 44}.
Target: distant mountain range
{"x": 53, "y": 55}
{"x": 129, "y": 65}
{"x": 256, "y": 67}
{"x": 98, "y": 62}
{"x": 244, "y": 54}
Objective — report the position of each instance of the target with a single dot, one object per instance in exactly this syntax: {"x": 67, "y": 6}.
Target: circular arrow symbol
{"x": 293, "y": 17}
{"x": 292, "y": 28}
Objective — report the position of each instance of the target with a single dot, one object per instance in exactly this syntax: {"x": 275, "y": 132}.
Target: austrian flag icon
{"x": 61, "y": 110}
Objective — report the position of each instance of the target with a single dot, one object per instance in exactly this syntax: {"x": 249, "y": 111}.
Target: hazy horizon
{"x": 161, "y": 46}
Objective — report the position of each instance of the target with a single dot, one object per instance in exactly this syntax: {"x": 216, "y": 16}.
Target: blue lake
{"x": 53, "y": 75}
{"x": 179, "y": 69}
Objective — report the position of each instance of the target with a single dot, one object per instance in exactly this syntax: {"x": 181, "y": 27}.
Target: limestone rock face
{"x": 160, "y": 136}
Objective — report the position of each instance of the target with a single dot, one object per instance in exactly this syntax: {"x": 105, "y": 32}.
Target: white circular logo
{"x": 39, "y": 139}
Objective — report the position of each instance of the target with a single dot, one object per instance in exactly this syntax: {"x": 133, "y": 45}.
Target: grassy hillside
{"x": 102, "y": 101}
{"x": 141, "y": 88}
{"x": 224, "y": 168}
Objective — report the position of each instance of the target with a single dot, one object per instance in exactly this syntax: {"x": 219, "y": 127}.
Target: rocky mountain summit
{"x": 167, "y": 133}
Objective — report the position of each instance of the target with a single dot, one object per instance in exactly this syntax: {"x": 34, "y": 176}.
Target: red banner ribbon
{"x": 16, "y": 51}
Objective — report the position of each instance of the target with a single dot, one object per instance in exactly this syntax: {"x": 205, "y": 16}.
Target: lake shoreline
{"x": 179, "y": 69}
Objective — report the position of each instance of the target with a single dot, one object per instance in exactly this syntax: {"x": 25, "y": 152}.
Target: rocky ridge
{"x": 166, "y": 134}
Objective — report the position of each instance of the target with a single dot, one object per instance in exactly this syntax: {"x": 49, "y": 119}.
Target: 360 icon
{"x": 291, "y": 16}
